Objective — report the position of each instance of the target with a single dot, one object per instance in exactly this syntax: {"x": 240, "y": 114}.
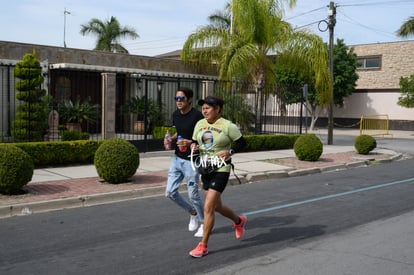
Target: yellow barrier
{"x": 374, "y": 125}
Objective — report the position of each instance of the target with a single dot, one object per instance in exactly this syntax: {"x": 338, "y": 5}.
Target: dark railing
{"x": 156, "y": 94}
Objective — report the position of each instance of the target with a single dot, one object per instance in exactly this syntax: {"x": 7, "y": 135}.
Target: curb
{"x": 7, "y": 211}
{"x": 80, "y": 201}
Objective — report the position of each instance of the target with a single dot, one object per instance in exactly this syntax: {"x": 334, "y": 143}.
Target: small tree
{"x": 345, "y": 76}
{"x": 236, "y": 108}
{"x": 407, "y": 92}
{"x": 79, "y": 111}
{"x": 139, "y": 105}
{"x": 290, "y": 82}
{"x": 30, "y": 122}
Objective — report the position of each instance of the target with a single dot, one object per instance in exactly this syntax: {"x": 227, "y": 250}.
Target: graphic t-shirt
{"x": 216, "y": 137}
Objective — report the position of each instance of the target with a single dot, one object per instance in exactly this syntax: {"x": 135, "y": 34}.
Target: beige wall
{"x": 379, "y": 89}
{"x": 359, "y": 104}
{"x": 397, "y": 60}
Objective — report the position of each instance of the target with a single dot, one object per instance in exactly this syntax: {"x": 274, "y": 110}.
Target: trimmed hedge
{"x": 60, "y": 152}
{"x": 270, "y": 142}
{"x": 16, "y": 169}
{"x": 308, "y": 147}
{"x": 116, "y": 160}
{"x": 73, "y": 135}
{"x": 159, "y": 131}
{"x": 365, "y": 144}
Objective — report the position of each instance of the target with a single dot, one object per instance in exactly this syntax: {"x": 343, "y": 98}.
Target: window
{"x": 369, "y": 63}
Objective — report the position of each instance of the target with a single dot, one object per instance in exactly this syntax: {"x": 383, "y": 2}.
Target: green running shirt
{"x": 214, "y": 138}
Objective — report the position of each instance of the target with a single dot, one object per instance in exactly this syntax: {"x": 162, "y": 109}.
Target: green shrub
{"x": 254, "y": 143}
{"x": 16, "y": 169}
{"x": 73, "y": 135}
{"x": 57, "y": 153}
{"x": 116, "y": 160}
{"x": 269, "y": 142}
{"x": 279, "y": 142}
{"x": 364, "y": 144}
{"x": 31, "y": 117}
{"x": 308, "y": 147}
{"x": 158, "y": 132}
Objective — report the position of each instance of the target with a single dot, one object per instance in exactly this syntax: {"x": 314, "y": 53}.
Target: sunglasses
{"x": 180, "y": 98}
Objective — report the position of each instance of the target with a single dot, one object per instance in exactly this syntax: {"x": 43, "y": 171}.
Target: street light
{"x": 159, "y": 86}
{"x": 64, "y": 26}
{"x": 159, "y": 93}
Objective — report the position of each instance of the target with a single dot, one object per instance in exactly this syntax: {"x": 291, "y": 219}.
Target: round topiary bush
{"x": 16, "y": 169}
{"x": 308, "y": 147}
{"x": 116, "y": 160}
{"x": 364, "y": 144}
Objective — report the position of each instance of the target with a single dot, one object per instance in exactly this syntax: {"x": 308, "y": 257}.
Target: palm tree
{"x": 108, "y": 34}
{"x": 220, "y": 19}
{"x": 243, "y": 51}
{"x": 407, "y": 28}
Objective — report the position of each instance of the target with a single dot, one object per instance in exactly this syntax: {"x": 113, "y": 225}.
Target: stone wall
{"x": 397, "y": 60}
{"x": 378, "y": 89}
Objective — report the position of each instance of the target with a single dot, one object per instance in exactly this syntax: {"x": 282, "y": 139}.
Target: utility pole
{"x": 331, "y": 25}
{"x": 64, "y": 26}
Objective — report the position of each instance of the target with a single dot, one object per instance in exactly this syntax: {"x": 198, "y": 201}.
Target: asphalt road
{"x": 149, "y": 236}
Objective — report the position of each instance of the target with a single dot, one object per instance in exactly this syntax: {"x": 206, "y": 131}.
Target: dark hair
{"x": 187, "y": 91}
{"x": 212, "y": 101}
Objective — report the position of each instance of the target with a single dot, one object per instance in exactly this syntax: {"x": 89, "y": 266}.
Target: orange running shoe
{"x": 200, "y": 251}
{"x": 240, "y": 227}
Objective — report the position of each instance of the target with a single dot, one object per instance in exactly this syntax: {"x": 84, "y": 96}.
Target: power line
{"x": 309, "y": 24}
{"x": 169, "y": 44}
{"x": 305, "y": 13}
{"x": 353, "y": 21}
{"x": 393, "y": 3}
{"x": 158, "y": 40}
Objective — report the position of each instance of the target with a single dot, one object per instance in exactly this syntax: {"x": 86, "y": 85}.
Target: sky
{"x": 163, "y": 25}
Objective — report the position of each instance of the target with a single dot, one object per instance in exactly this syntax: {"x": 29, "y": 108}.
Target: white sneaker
{"x": 199, "y": 233}
{"x": 193, "y": 225}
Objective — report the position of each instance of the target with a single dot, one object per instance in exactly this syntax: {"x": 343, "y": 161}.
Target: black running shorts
{"x": 216, "y": 181}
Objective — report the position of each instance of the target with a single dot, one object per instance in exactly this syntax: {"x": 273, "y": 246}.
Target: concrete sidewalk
{"x": 247, "y": 163}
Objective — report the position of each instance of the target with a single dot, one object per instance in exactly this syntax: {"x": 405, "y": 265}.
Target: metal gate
{"x": 157, "y": 92}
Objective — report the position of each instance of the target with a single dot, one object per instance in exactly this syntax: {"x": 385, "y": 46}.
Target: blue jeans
{"x": 179, "y": 170}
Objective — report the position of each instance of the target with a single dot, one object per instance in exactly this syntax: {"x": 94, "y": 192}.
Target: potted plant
{"x": 77, "y": 112}
{"x": 136, "y": 105}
